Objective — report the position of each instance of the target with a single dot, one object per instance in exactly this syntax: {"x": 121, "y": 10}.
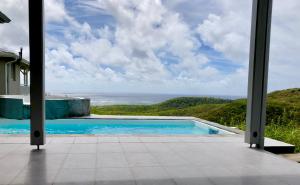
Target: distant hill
{"x": 283, "y": 112}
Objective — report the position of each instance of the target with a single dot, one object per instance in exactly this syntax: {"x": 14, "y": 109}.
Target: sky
{"x": 155, "y": 46}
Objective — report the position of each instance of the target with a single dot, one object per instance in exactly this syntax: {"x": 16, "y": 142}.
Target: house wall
{"x": 14, "y": 87}
{"x": 2, "y": 78}
{"x": 14, "y": 84}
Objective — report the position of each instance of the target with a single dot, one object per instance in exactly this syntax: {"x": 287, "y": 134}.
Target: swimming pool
{"x": 112, "y": 126}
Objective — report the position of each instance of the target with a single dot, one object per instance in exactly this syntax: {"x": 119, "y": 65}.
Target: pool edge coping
{"x": 210, "y": 123}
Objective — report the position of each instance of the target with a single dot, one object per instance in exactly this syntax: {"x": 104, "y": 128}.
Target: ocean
{"x": 134, "y": 98}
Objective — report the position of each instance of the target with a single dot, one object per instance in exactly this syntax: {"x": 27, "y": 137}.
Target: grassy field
{"x": 283, "y": 112}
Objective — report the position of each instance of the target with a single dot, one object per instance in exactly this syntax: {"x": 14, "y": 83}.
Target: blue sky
{"x": 156, "y": 46}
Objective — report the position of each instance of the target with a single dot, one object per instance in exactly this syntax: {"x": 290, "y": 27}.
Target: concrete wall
{"x": 2, "y": 77}
{"x": 79, "y": 107}
{"x": 65, "y": 108}
{"x": 14, "y": 108}
{"x": 56, "y": 109}
{"x": 26, "y": 111}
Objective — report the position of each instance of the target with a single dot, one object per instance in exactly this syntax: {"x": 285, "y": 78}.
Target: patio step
{"x": 278, "y": 147}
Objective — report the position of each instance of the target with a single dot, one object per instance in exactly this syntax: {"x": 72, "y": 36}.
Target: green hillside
{"x": 283, "y": 107}
{"x": 283, "y": 112}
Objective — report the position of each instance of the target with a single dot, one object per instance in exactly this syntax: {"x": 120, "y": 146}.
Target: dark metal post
{"x": 258, "y": 72}
{"x": 37, "y": 68}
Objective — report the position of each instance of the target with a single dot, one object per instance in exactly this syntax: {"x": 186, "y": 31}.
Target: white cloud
{"x": 229, "y": 31}
{"x": 15, "y": 34}
{"x": 142, "y": 29}
{"x": 55, "y": 10}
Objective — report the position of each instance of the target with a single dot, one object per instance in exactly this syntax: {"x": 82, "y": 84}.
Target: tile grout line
{"x": 19, "y": 172}
{"x": 129, "y": 167}
{"x": 96, "y": 163}
{"x": 61, "y": 166}
{"x": 161, "y": 165}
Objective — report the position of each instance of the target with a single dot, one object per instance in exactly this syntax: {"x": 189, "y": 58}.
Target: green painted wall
{"x": 11, "y": 108}
{"x": 55, "y": 109}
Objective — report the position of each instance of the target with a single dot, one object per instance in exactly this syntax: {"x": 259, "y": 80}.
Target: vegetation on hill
{"x": 283, "y": 112}
{"x": 177, "y": 106}
{"x": 183, "y": 102}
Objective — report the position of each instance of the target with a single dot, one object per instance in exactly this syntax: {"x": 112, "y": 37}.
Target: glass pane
{"x": 283, "y": 111}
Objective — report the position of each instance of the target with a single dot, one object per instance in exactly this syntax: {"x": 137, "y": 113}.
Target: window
{"x": 13, "y": 71}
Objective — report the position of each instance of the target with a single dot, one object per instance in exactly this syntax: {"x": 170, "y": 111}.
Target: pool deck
{"x": 145, "y": 160}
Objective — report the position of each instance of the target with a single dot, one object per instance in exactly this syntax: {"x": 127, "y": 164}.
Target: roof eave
{"x": 24, "y": 64}
{"x": 4, "y": 18}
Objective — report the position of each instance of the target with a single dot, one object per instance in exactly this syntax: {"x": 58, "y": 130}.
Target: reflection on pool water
{"x": 112, "y": 126}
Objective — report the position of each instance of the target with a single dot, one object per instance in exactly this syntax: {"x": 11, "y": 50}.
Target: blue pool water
{"x": 111, "y": 126}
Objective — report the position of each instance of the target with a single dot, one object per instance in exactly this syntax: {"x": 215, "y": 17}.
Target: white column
{"x": 258, "y": 72}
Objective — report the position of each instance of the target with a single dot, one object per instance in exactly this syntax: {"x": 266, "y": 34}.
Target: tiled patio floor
{"x": 131, "y": 160}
